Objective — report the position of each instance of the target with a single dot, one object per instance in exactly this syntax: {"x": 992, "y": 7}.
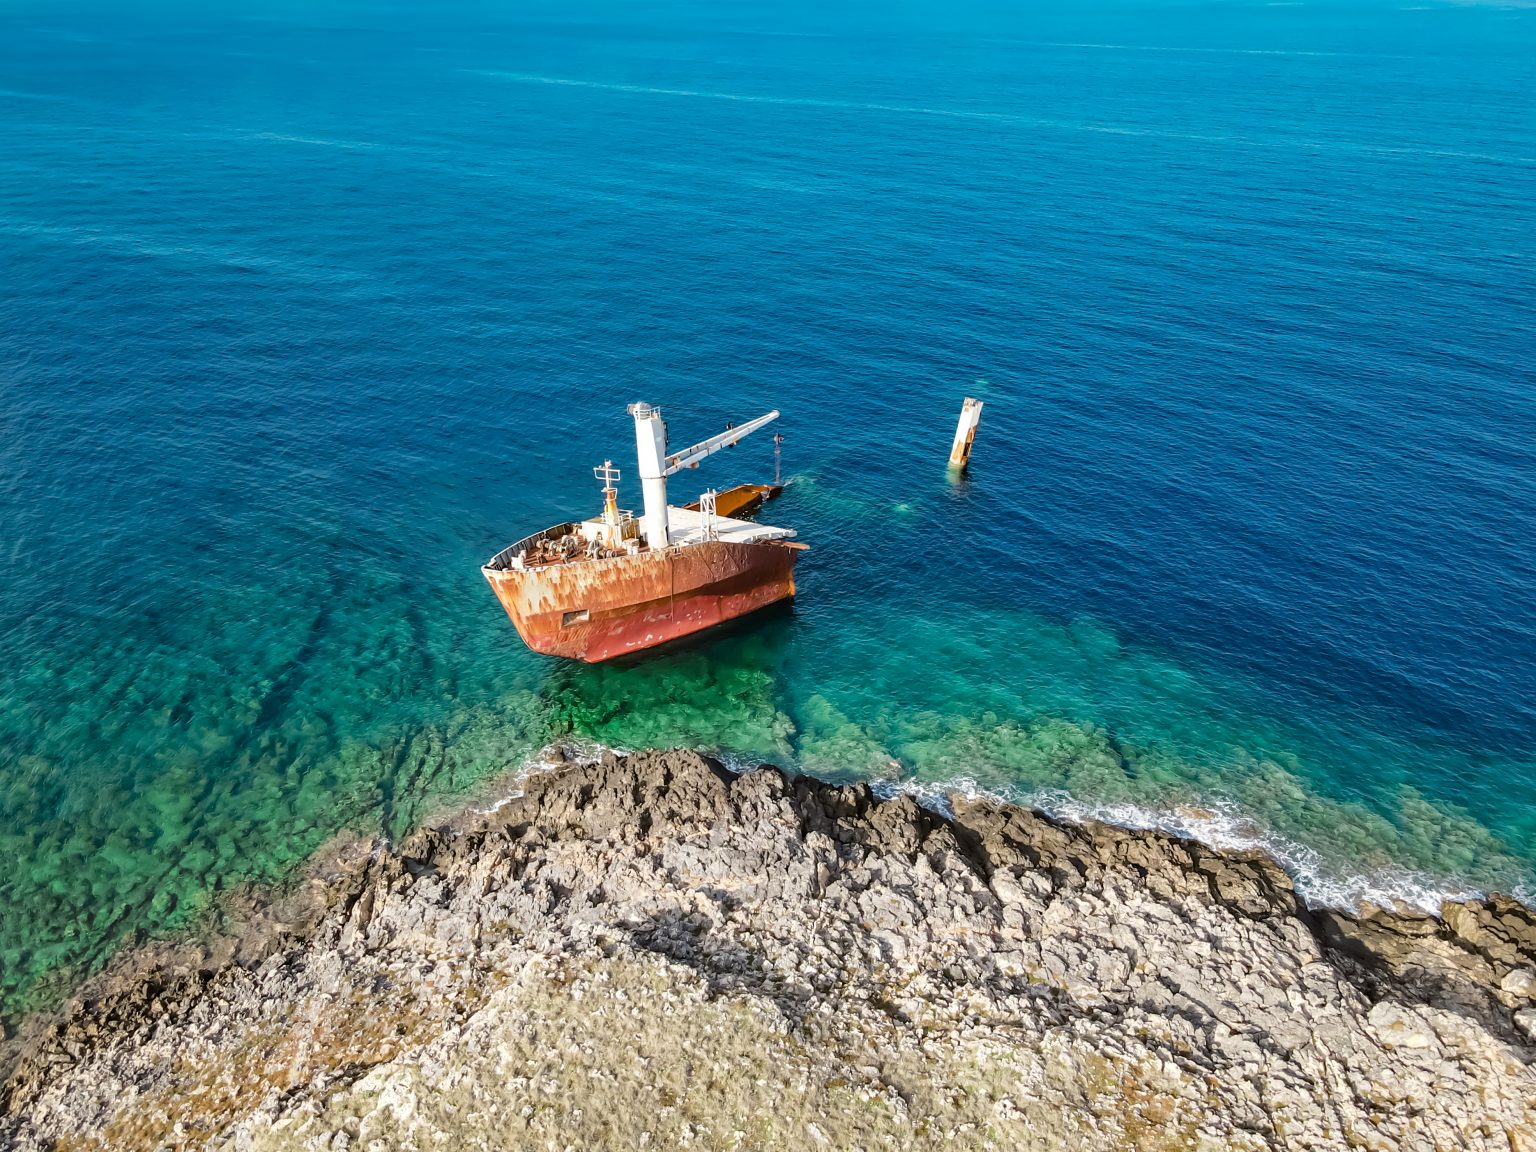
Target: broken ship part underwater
{"x": 600, "y": 588}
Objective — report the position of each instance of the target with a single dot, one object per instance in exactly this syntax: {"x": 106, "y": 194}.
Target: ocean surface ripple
{"x": 313, "y": 308}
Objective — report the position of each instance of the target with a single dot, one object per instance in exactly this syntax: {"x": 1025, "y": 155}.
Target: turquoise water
{"x": 314, "y": 308}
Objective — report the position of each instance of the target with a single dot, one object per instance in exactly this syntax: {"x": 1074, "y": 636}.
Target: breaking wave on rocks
{"x": 1321, "y": 880}
{"x": 1224, "y": 827}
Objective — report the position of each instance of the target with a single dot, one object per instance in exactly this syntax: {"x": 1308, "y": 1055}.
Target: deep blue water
{"x": 309, "y": 309}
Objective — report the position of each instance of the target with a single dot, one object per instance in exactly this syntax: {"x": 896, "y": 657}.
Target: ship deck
{"x": 686, "y": 526}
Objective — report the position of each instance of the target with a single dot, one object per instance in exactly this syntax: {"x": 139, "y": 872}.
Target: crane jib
{"x": 688, "y": 457}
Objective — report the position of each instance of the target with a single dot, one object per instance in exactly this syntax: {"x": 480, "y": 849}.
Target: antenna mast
{"x": 609, "y": 475}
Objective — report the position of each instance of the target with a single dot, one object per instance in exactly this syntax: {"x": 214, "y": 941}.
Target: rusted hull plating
{"x": 597, "y": 609}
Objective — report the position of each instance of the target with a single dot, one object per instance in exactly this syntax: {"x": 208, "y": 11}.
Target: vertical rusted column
{"x": 965, "y": 433}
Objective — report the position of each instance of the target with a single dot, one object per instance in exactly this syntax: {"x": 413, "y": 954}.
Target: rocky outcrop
{"x": 652, "y": 952}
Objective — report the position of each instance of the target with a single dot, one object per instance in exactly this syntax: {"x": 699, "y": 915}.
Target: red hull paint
{"x": 594, "y": 610}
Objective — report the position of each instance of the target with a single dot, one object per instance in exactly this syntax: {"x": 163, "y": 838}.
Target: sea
{"x": 308, "y": 309}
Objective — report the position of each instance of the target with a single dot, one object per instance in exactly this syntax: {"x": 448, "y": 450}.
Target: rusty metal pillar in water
{"x": 965, "y": 434}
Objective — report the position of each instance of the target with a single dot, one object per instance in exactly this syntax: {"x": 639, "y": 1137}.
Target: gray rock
{"x": 651, "y": 952}
{"x": 1397, "y": 1027}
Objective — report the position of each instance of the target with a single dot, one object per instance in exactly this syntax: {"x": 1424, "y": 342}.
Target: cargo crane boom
{"x": 690, "y": 457}
{"x": 656, "y": 465}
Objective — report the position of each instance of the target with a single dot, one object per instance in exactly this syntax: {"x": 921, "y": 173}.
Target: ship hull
{"x": 596, "y": 610}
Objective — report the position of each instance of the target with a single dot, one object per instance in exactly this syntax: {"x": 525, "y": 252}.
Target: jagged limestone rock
{"x": 650, "y": 952}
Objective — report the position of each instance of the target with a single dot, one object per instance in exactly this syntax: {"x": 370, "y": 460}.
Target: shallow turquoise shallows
{"x": 308, "y": 309}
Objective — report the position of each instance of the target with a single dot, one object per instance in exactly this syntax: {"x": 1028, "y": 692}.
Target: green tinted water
{"x": 165, "y": 766}
{"x": 314, "y": 312}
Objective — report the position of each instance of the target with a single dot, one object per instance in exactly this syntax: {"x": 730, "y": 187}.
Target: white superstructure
{"x": 656, "y": 465}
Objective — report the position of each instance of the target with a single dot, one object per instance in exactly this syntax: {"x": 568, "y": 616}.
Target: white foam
{"x": 550, "y": 758}
{"x": 744, "y": 98}
{"x": 1223, "y": 827}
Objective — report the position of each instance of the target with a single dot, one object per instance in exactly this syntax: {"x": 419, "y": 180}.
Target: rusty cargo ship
{"x": 616, "y": 584}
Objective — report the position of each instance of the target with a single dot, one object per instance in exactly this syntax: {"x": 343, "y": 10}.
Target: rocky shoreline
{"x": 651, "y": 952}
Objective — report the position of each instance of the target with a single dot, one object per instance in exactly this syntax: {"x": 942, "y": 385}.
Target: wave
{"x": 41, "y": 97}
{"x": 1223, "y": 827}
{"x": 133, "y": 245}
{"x": 1213, "y": 51}
{"x": 1347, "y": 146}
{"x": 541, "y": 763}
{"x": 748, "y": 98}
{"x": 286, "y": 138}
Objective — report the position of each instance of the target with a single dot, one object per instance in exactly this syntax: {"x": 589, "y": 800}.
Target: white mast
{"x": 656, "y": 465}
{"x": 651, "y": 448}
